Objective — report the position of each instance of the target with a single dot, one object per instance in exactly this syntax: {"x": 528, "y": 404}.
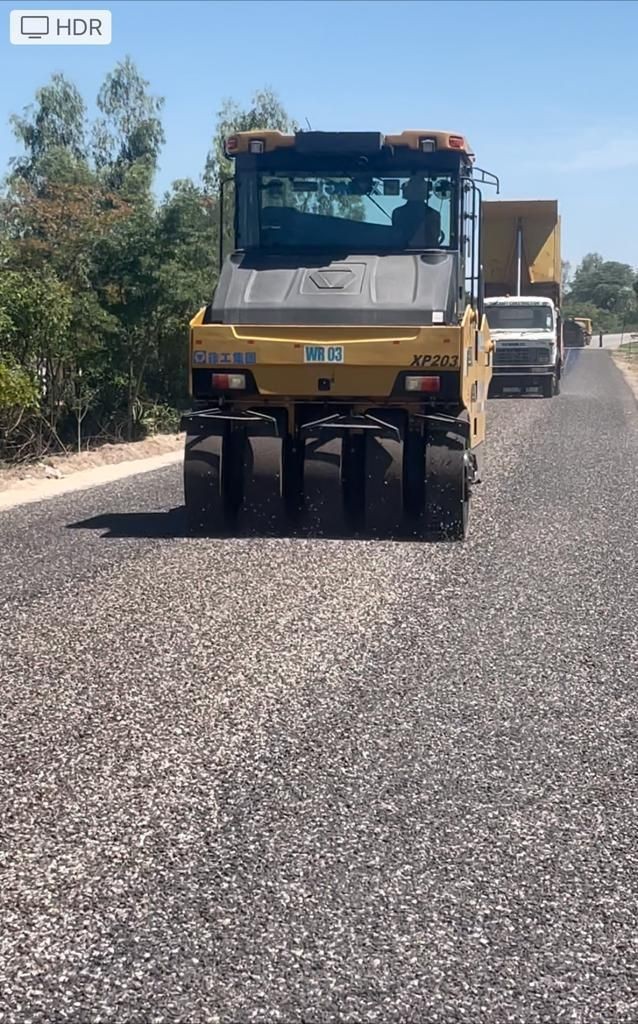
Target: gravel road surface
{"x": 315, "y": 781}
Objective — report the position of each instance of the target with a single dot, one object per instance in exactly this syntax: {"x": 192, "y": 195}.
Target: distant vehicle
{"x": 574, "y": 335}
{"x": 522, "y": 275}
{"x": 587, "y": 327}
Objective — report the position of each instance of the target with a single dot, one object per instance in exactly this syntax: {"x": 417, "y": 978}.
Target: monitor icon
{"x": 48, "y": 27}
{"x": 34, "y": 26}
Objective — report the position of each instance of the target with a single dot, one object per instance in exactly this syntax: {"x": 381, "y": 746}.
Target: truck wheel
{"x": 549, "y": 387}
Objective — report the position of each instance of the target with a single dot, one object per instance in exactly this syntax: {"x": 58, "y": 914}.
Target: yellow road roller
{"x": 339, "y": 375}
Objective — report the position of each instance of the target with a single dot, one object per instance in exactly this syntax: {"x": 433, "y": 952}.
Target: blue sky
{"x": 546, "y": 92}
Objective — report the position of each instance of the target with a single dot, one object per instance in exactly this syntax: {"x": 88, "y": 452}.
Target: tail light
{"x": 229, "y": 381}
{"x": 429, "y": 385}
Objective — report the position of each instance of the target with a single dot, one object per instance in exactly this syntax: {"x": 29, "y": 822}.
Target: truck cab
{"x": 527, "y": 357}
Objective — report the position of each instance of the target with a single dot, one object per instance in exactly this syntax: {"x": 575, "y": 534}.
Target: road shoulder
{"x": 628, "y": 366}
{"x": 73, "y": 474}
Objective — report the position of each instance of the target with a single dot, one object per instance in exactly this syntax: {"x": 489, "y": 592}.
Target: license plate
{"x": 323, "y": 354}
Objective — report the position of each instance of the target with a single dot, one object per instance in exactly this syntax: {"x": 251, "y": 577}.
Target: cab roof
{"x": 422, "y": 139}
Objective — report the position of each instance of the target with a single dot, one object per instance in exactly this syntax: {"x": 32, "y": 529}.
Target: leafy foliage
{"x": 129, "y": 133}
{"x": 52, "y": 133}
{"x": 603, "y": 290}
{"x": 98, "y": 279}
{"x": 18, "y": 390}
{"x": 265, "y": 111}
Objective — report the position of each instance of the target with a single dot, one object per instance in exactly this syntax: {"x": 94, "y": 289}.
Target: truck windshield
{"x": 359, "y": 213}
{"x": 519, "y": 318}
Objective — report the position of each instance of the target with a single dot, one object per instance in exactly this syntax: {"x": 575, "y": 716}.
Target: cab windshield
{"x": 364, "y": 212}
{"x": 519, "y": 318}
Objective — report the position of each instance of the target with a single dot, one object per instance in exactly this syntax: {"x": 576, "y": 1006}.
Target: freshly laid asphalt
{"x": 286, "y": 780}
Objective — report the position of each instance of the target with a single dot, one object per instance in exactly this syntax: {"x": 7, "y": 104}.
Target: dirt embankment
{"x": 57, "y": 467}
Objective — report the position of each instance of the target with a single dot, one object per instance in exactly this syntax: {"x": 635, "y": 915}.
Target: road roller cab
{"x": 340, "y": 373}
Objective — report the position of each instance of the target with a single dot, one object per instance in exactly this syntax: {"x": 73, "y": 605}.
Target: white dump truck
{"x": 522, "y": 281}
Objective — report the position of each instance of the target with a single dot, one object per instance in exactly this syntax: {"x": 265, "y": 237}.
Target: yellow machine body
{"x": 370, "y": 361}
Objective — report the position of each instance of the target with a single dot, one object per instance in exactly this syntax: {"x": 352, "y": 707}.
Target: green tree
{"x": 129, "y": 261}
{"x": 129, "y": 132}
{"x": 265, "y": 111}
{"x": 53, "y": 135}
{"x": 605, "y": 283}
{"x": 157, "y": 269}
{"x": 602, "y": 290}
{"x": 35, "y": 314}
{"x": 34, "y": 319}
{"x": 188, "y": 232}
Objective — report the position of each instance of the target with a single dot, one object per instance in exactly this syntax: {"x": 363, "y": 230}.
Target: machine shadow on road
{"x": 172, "y": 525}
{"x": 144, "y": 525}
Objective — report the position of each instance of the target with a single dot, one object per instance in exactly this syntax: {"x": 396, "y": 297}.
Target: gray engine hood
{"x": 395, "y": 289}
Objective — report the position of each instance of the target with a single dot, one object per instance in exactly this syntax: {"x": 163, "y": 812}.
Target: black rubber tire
{"x": 447, "y": 499}
{"x": 263, "y": 507}
{"x": 324, "y": 505}
{"x": 383, "y": 485}
{"x": 208, "y": 508}
{"x": 353, "y": 481}
{"x": 414, "y": 485}
{"x": 549, "y": 387}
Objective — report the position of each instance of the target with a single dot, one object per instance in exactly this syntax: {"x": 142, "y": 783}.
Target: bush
{"x": 19, "y": 400}
{"x": 156, "y": 418}
{"x": 17, "y": 387}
